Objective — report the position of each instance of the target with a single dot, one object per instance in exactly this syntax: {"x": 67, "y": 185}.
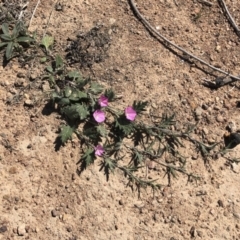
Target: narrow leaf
{"x": 5, "y": 37}
{"x": 59, "y": 61}
{"x": 2, "y": 44}
{"x": 9, "y": 50}
{"x": 5, "y": 28}
{"x": 25, "y": 39}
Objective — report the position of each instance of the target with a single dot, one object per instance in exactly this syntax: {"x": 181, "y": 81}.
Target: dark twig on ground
{"x": 231, "y": 20}
{"x": 156, "y": 33}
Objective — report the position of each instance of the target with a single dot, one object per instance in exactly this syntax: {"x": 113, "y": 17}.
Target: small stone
{"x": 33, "y": 76}
{"x": 20, "y": 75}
{"x": 218, "y": 48}
{"x": 231, "y": 127}
{"x": 195, "y": 156}
{"x": 21, "y": 230}
{"x": 3, "y": 229}
{"x": 112, "y": 20}
{"x": 205, "y": 131}
{"x": 205, "y": 106}
{"x": 73, "y": 177}
{"x": 192, "y": 232}
{"x": 220, "y": 203}
{"x": 28, "y": 102}
{"x": 55, "y": 213}
{"x": 198, "y": 111}
{"x": 220, "y": 118}
{"x": 154, "y": 105}
{"x": 45, "y": 86}
{"x": 200, "y": 233}
{"x": 120, "y": 202}
{"x": 12, "y": 170}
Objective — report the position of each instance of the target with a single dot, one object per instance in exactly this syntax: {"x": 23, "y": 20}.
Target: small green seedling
{"x": 55, "y": 70}
{"x": 13, "y": 40}
{"x": 47, "y": 42}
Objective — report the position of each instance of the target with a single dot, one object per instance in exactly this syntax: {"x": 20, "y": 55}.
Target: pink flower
{"x": 103, "y": 101}
{"x": 130, "y": 113}
{"x": 99, "y": 150}
{"x": 99, "y": 116}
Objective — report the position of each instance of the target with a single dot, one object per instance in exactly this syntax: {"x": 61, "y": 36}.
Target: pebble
{"x": 154, "y": 105}
{"x": 3, "y": 229}
{"x": 205, "y": 131}
{"x": 21, "y": 230}
{"x": 205, "y": 106}
{"x": 220, "y": 118}
{"x": 45, "y": 86}
{"x": 220, "y": 203}
{"x": 198, "y": 111}
{"x": 28, "y": 102}
{"x": 55, "y": 213}
{"x": 232, "y": 126}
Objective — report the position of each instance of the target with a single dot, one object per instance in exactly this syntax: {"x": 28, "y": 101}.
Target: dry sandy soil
{"x": 41, "y": 195}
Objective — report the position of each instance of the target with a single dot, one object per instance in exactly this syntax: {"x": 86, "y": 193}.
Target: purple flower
{"x": 99, "y": 116}
{"x": 99, "y": 150}
{"x": 130, "y": 113}
{"x": 103, "y": 101}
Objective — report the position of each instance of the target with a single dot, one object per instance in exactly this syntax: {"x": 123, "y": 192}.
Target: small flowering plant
{"x": 106, "y": 132}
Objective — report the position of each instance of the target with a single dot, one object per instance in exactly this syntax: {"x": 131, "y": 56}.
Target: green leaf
{"x": 47, "y": 41}
{"x": 5, "y": 28}
{"x": 102, "y": 130}
{"x": 15, "y": 31}
{"x": 91, "y": 133}
{"x": 51, "y": 79}
{"x": 43, "y": 59}
{"x": 59, "y": 61}
{"x": 96, "y": 88}
{"x": 76, "y": 111}
{"x": 64, "y": 102}
{"x": 66, "y": 133}
{"x": 2, "y": 44}
{"x": 70, "y": 112}
{"x": 49, "y": 69}
{"x": 77, "y": 95}
{"x": 25, "y": 39}
{"x": 124, "y": 125}
{"x": 88, "y": 157}
{"x": 139, "y": 106}
{"x": 67, "y": 92}
{"x": 9, "y": 50}
{"x": 5, "y": 37}
{"x": 74, "y": 75}
{"x": 109, "y": 94}
{"x": 137, "y": 157}
{"x": 82, "y": 83}
{"x": 82, "y": 111}
{"x": 110, "y": 164}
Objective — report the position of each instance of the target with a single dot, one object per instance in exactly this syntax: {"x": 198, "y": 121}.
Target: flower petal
{"x": 99, "y": 116}
{"x": 103, "y": 101}
{"x": 99, "y": 150}
{"x": 130, "y": 113}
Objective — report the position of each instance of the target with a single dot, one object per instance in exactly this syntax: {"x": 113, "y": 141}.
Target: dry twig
{"x": 152, "y": 30}
{"x": 34, "y": 13}
{"x": 234, "y": 25}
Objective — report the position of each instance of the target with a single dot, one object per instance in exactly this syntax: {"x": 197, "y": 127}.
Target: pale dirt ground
{"x": 37, "y": 182}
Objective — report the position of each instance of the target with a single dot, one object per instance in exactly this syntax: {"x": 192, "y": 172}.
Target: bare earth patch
{"x": 41, "y": 194}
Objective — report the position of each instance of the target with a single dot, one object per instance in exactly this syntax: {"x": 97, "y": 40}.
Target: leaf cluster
{"x": 14, "y": 40}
